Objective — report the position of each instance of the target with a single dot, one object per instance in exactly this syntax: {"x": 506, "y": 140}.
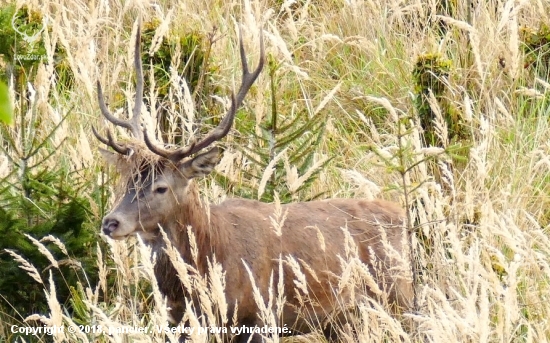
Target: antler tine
{"x": 109, "y": 141}
{"x": 106, "y": 113}
{"x": 224, "y": 126}
{"x": 99, "y": 137}
{"x": 136, "y": 131}
{"x": 249, "y": 78}
{"x": 133, "y": 124}
{"x": 169, "y": 154}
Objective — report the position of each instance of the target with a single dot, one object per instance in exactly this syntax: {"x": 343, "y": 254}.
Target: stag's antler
{"x": 225, "y": 125}
{"x": 133, "y": 124}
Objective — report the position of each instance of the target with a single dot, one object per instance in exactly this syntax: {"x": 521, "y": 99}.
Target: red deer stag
{"x": 160, "y": 191}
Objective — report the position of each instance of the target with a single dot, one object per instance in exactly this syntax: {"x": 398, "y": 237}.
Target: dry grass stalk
{"x": 279, "y": 217}
{"x": 26, "y": 266}
{"x": 269, "y": 171}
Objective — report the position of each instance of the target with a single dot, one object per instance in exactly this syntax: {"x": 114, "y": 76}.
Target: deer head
{"x": 159, "y": 178}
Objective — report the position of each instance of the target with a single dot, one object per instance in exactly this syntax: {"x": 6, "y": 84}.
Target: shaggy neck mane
{"x": 208, "y": 238}
{"x": 191, "y": 213}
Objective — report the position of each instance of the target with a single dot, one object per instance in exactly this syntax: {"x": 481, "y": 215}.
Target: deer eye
{"x": 161, "y": 190}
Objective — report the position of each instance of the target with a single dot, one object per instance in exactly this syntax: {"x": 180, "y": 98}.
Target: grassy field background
{"x": 477, "y": 192}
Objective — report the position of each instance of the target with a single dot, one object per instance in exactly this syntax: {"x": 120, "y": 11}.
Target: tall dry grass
{"x": 480, "y": 249}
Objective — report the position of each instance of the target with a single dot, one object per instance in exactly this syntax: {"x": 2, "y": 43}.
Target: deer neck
{"x": 191, "y": 222}
{"x": 193, "y": 212}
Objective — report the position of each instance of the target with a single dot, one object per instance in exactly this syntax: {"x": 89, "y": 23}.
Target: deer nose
{"x": 109, "y": 225}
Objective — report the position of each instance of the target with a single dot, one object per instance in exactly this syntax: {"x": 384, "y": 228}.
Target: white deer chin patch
{"x": 121, "y": 233}
{"x": 118, "y": 238}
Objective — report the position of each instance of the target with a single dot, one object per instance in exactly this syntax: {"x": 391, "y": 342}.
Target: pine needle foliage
{"x": 39, "y": 198}
{"x": 282, "y": 144}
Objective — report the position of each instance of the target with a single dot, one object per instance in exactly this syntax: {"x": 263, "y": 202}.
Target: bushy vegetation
{"x": 22, "y": 47}
{"x": 358, "y": 99}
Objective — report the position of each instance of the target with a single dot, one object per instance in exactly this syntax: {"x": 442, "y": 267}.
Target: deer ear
{"x": 202, "y": 164}
{"x": 110, "y": 157}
